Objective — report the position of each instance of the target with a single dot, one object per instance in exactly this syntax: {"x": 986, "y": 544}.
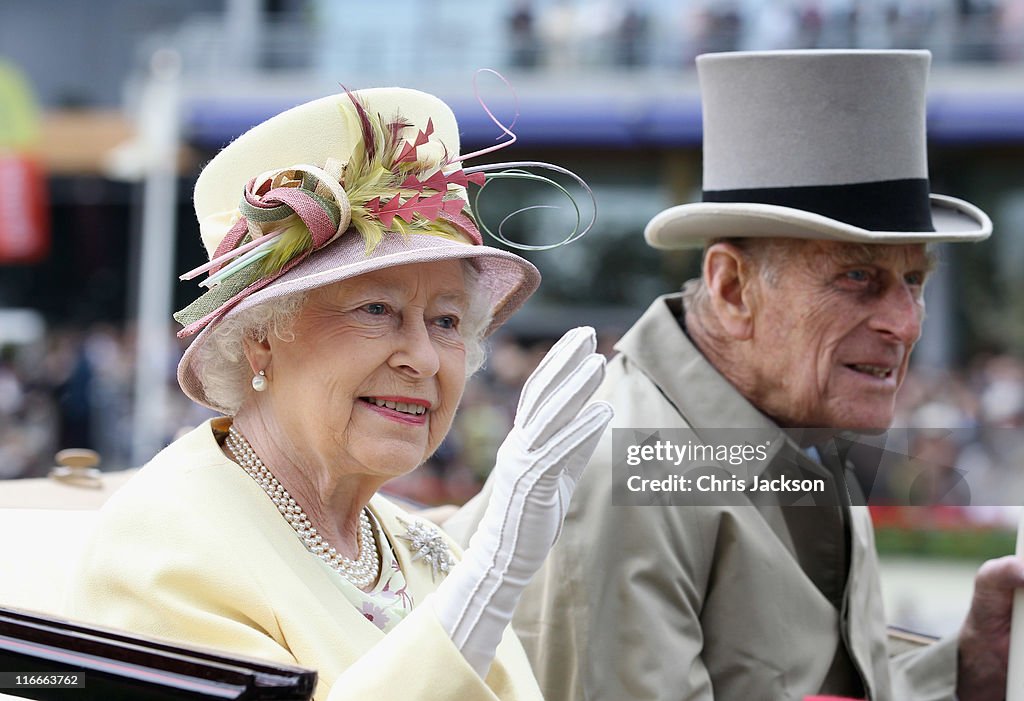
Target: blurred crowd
{"x": 959, "y": 437}
{"x": 958, "y": 441}
{"x": 638, "y": 33}
{"x": 74, "y": 389}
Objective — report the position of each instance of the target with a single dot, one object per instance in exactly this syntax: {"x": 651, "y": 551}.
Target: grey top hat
{"x": 816, "y": 144}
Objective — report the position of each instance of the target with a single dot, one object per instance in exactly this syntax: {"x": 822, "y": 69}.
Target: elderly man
{"x": 814, "y": 225}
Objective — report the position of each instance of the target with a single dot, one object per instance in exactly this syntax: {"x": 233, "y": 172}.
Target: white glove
{"x": 554, "y": 434}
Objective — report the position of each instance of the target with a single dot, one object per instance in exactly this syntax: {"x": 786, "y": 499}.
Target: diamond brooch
{"x": 428, "y": 545}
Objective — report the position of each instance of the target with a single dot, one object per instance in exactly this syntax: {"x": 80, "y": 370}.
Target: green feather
{"x": 293, "y": 241}
{"x": 366, "y": 177}
{"x": 370, "y": 229}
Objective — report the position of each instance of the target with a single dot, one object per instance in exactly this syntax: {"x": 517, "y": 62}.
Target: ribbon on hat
{"x": 267, "y": 241}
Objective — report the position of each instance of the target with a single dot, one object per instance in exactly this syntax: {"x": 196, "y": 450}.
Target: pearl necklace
{"x": 361, "y": 572}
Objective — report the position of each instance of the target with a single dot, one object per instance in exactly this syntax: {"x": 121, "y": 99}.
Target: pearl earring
{"x": 259, "y": 381}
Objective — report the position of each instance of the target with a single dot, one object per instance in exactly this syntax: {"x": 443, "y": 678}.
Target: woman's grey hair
{"x": 225, "y": 372}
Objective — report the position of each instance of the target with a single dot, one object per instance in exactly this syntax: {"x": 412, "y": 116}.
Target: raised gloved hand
{"x": 554, "y": 434}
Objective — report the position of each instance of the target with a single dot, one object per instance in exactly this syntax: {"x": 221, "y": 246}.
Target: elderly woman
{"x": 349, "y": 293}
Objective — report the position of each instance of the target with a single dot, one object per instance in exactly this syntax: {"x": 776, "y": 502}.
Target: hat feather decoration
{"x": 389, "y": 184}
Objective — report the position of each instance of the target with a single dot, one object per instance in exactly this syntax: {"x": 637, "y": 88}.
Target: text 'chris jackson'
{"x": 711, "y": 483}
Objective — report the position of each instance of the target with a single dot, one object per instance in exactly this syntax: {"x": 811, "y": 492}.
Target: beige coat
{"x": 192, "y": 550}
{"x": 734, "y": 603}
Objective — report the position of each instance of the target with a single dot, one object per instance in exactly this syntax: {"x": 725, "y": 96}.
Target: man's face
{"x": 833, "y": 330}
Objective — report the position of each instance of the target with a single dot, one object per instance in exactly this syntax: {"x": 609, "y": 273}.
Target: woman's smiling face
{"x": 376, "y": 368}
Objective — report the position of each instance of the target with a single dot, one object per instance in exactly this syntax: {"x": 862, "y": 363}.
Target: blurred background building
{"x": 108, "y": 109}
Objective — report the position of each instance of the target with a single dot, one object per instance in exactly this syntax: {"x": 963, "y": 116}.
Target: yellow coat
{"x": 192, "y": 550}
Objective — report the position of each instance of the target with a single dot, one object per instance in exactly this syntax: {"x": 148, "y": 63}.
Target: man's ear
{"x": 258, "y": 354}
{"x": 730, "y": 280}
